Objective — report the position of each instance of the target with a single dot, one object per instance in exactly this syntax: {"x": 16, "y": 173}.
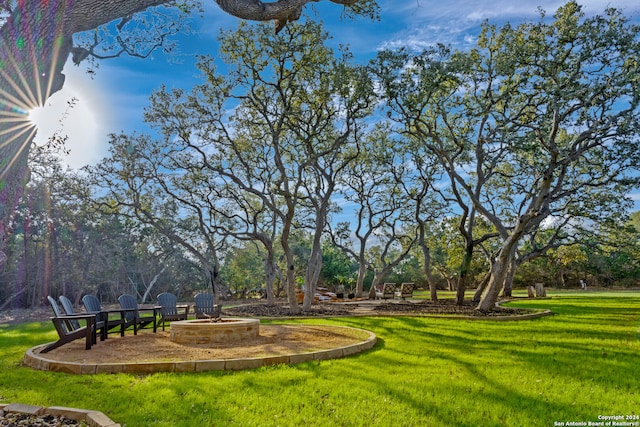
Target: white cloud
{"x": 457, "y": 22}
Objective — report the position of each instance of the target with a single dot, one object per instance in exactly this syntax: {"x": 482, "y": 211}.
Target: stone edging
{"x": 91, "y": 418}
{"x": 40, "y": 362}
{"x": 534, "y": 314}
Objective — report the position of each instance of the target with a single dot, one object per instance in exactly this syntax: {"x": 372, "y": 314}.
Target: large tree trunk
{"x": 315, "y": 259}
{"x": 311, "y": 277}
{"x": 377, "y": 278}
{"x": 288, "y": 255}
{"x": 481, "y": 287}
{"x": 426, "y": 257}
{"x": 507, "y": 288}
{"x": 291, "y": 284}
{"x": 465, "y": 267}
{"x": 499, "y": 272}
{"x": 560, "y": 278}
{"x": 362, "y": 272}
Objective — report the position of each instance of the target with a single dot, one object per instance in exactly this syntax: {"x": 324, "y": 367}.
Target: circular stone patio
{"x": 148, "y": 352}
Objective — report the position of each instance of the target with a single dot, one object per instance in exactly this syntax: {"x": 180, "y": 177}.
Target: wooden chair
{"x": 406, "y": 290}
{"x": 169, "y": 310}
{"x": 205, "y": 308}
{"x": 67, "y": 306}
{"x": 66, "y": 327}
{"x": 132, "y": 314}
{"x": 92, "y": 305}
{"x": 385, "y": 291}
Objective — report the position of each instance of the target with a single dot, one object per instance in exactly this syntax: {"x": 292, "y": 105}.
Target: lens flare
{"x": 33, "y": 48}
{"x": 32, "y": 52}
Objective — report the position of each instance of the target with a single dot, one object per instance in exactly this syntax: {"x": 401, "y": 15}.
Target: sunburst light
{"x": 29, "y": 73}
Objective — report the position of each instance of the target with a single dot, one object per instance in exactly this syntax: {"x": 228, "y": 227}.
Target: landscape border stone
{"x": 90, "y": 417}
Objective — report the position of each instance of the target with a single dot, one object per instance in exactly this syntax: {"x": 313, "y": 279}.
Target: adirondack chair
{"x": 169, "y": 310}
{"x": 92, "y": 305}
{"x": 67, "y": 306}
{"x": 67, "y": 332}
{"x": 205, "y": 309}
{"x": 385, "y": 291}
{"x": 132, "y": 314}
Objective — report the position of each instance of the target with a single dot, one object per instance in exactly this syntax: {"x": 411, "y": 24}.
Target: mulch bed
{"x": 281, "y": 309}
{"x": 15, "y": 419}
{"x": 445, "y": 307}
{"x": 441, "y": 307}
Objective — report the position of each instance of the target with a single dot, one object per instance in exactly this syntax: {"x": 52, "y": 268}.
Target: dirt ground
{"x": 273, "y": 340}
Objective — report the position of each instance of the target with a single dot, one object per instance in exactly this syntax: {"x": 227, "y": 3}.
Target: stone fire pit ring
{"x": 205, "y": 331}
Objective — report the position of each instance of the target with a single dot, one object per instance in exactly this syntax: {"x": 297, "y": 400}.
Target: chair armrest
{"x": 75, "y": 316}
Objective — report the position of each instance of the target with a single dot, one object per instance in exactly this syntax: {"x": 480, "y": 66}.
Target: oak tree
{"x": 534, "y": 123}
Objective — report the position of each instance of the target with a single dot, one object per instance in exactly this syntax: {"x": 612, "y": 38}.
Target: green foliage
{"x": 243, "y": 268}
{"x": 607, "y": 257}
{"x": 337, "y": 267}
{"x": 408, "y": 270}
{"x": 423, "y": 372}
{"x": 366, "y": 8}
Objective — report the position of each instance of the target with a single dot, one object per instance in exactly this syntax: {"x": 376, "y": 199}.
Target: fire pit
{"x": 204, "y": 331}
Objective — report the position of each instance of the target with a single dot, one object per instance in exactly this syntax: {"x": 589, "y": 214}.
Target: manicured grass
{"x": 571, "y": 367}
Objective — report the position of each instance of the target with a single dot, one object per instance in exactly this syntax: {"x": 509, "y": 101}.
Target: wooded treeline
{"x": 72, "y": 249}
{"x": 505, "y": 165}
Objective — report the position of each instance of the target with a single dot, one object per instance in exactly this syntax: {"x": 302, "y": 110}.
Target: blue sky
{"x": 115, "y": 98}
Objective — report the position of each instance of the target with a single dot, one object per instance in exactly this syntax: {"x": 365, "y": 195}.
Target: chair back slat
{"x": 204, "y": 305}
{"x": 55, "y": 307}
{"x": 92, "y": 305}
{"x": 67, "y": 306}
{"x": 169, "y": 303}
{"x": 57, "y": 313}
{"x": 128, "y": 302}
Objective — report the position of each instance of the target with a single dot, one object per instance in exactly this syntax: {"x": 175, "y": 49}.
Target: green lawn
{"x": 579, "y": 364}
